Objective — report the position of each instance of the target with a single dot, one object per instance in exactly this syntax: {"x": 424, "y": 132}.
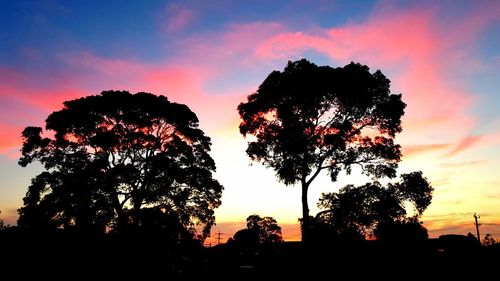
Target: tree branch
{"x": 322, "y": 212}
{"x": 316, "y": 173}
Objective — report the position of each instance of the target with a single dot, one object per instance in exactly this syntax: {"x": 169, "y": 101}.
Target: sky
{"x": 443, "y": 56}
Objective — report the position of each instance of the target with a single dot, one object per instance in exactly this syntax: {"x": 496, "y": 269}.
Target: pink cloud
{"x": 464, "y": 144}
{"x": 417, "y": 50}
{"x": 178, "y": 18}
{"x": 9, "y": 137}
{"x": 217, "y": 70}
{"x": 30, "y": 97}
{"x": 32, "y": 92}
{"x": 25, "y": 103}
{"x": 107, "y": 66}
{"x": 182, "y": 82}
{"x": 9, "y": 75}
{"x": 386, "y": 39}
{"x": 231, "y": 49}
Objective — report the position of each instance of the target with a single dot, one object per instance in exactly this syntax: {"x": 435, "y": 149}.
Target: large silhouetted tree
{"x": 373, "y": 209}
{"x": 310, "y": 118}
{"x": 114, "y": 159}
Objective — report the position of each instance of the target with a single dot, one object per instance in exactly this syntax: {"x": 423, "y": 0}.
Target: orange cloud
{"x": 410, "y": 150}
{"x": 227, "y": 230}
{"x": 461, "y": 223}
{"x": 9, "y": 216}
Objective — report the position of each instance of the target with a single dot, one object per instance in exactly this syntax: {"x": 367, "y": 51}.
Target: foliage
{"x": 114, "y": 156}
{"x": 267, "y": 229}
{"x": 489, "y": 240}
{"x": 2, "y": 225}
{"x": 259, "y": 231}
{"x": 310, "y": 118}
{"x": 373, "y": 209}
{"x": 406, "y": 229}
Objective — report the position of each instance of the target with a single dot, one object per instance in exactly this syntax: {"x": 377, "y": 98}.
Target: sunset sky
{"x": 443, "y": 56}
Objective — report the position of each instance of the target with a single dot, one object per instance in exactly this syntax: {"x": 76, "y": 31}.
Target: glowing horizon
{"x": 441, "y": 57}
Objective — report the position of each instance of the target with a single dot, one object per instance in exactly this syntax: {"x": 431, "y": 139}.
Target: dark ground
{"x": 73, "y": 258}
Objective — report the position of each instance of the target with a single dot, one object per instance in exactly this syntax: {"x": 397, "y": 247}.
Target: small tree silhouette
{"x": 259, "y": 231}
{"x": 489, "y": 240}
{"x": 373, "y": 209}
{"x": 2, "y": 225}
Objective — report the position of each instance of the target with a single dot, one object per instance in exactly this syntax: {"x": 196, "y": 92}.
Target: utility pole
{"x": 219, "y": 237}
{"x": 477, "y": 228}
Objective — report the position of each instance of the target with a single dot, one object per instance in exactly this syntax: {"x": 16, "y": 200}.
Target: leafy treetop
{"x": 114, "y": 155}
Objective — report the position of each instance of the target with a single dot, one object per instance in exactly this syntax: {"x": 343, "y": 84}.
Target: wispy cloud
{"x": 464, "y": 144}
{"x": 464, "y": 164}
{"x": 449, "y": 223}
{"x": 7, "y": 139}
{"x": 460, "y": 223}
{"x": 178, "y": 18}
{"x": 411, "y": 150}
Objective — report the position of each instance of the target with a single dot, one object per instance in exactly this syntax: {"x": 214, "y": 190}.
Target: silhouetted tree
{"x": 113, "y": 157}
{"x": 245, "y": 238}
{"x": 259, "y": 231}
{"x": 489, "y": 240}
{"x": 373, "y": 209}
{"x": 2, "y": 225}
{"x": 310, "y": 118}
{"x": 267, "y": 229}
{"x": 403, "y": 230}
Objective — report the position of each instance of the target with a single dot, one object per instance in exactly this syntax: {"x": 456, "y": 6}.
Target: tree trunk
{"x": 136, "y": 211}
{"x": 121, "y": 218}
{"x": 306, "y": 222}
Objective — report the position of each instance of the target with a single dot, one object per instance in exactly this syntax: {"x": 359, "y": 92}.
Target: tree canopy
{"x": 2, "y": 225}
{"x": 309, "y": 118}
{"x": 373, "y": 209}
{"x": 489, "y": 240}
{"x": 259, "y": 231}
{"x": 118, "y": 160}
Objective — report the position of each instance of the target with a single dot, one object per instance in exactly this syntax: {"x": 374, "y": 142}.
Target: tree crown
{"x": 113, "y": 155}
{"x": 375, "y": 209}
{"x": 308, "y": 118}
